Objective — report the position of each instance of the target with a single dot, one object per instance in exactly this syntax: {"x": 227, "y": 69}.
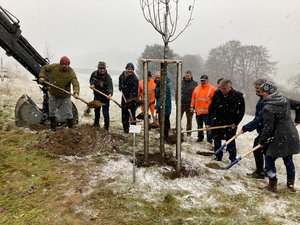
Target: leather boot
{"x": 272, "y": 186}
{"x": 70, "y": 123}
{"x": 52, "y": 123}
{"x": 290, "y": 185}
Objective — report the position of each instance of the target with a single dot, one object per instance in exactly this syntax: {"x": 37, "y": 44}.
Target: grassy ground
{"x": 38, "y": 187}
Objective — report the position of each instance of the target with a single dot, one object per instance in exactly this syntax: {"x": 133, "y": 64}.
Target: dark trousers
{"x": 259, "y": 156}
{"x": 105, "y": 112}
{"x": 189, "y": 118}
{"x": 231, "y": 148}
{"x": 289, "y": 165}
{"x": 202, "y": 119}
{"x": 126, "y": 117}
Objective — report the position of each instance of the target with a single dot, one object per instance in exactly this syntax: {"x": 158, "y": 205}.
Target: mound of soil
{"x": 82, "y": 140}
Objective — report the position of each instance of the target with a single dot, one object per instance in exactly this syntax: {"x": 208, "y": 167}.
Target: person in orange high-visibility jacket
{"x": 151, "y": 94}
{"x": 201, "y": 99}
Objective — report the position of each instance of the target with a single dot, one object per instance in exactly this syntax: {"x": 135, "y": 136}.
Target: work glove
{"x": 191, "y": 110}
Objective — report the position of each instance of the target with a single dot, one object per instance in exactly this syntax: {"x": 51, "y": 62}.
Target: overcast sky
{"x": 75, "y": 28}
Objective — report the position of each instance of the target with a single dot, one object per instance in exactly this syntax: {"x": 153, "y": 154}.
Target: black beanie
{"x": 129, "y": 65}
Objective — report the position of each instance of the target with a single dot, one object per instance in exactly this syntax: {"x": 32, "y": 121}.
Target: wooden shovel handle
{"x": 209, "y": 128}
{"x": 100, "y": 92}
{"x": 63, "y": 90}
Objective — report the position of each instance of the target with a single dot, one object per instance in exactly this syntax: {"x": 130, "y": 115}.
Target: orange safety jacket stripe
{"x": 201, "y": 98}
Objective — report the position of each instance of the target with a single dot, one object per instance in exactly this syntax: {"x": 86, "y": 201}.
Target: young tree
{"x": 155, "y": 51}
{"x": 163, "y": 15}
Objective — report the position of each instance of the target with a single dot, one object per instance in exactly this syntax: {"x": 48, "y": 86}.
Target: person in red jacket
{"x": 201, "y": 99}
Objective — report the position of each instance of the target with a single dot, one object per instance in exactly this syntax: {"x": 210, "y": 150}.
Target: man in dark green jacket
{"x": 61, "y": 75}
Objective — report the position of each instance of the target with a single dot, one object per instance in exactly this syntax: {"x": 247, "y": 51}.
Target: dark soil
{"x": 214, "y": 166}
{"x": 155, "y": 159}
{"x": 81, "y": 140}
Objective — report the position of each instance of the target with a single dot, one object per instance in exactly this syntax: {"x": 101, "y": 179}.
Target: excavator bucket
{"x": 27, "y": 112}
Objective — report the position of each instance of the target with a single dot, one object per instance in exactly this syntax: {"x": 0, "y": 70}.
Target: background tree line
{"x": 243, "y": 64}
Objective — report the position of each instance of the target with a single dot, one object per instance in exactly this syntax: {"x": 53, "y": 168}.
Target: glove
{"x": 191, "y": 110}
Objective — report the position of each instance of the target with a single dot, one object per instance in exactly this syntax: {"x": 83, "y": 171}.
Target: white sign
{"x": 135, "y": 129}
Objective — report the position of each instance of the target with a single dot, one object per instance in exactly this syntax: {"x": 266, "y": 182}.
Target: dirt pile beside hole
{"x": 82, "y": 140}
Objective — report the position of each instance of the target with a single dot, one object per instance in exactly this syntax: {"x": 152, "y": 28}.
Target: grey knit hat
{"x": 268, "y": 87}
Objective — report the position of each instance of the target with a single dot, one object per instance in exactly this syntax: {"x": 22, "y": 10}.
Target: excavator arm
{"x": 15, "y": 45}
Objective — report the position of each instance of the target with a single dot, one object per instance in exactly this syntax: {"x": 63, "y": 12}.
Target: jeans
{"x": 289, "y": 165}
{"x": 259, "y": 156}
{"x": 105, "y": 112}
{"x": 202, "y": 119}
{"x": 231, "y": 148}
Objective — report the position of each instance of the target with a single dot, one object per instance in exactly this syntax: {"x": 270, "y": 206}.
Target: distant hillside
{"x": 115, "y": 59}
{"x": 285, "y": 71}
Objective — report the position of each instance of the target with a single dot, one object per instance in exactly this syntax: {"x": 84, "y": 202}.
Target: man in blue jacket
{"x": 257, "y": 123}
{"x": 168, "y": 102}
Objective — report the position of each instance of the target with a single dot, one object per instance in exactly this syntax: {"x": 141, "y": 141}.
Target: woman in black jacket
{"x": 279, "y": 134}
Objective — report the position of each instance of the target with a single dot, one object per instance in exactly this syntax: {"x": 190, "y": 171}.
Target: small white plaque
{"x": 135, "y": 129}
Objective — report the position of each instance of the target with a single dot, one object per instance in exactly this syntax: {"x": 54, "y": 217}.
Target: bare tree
{"x": 48, "y": 53}
{"x": 294, "y": 81}
{"x": 241, "y": 63}
{"x": 163, "y": 15}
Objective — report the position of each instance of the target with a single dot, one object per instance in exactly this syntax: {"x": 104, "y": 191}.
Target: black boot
{"x": 290, "y": 185}
{"x": 52, "y": 123}
{"x": 70, "y": 123}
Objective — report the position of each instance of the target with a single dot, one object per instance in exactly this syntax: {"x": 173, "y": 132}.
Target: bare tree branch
{"x": 163, "y": 15}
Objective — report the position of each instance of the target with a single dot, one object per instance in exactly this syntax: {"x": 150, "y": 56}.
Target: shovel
{"x": 209, "y": 128}
{"x": 241, "y": 157}
{"x": 117, "y": 103}
{"x": 92, "y": 104}
{"x": 227, "y": 142}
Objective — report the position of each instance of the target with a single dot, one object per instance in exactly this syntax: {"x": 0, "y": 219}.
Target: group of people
{"x": 277, "y": 134}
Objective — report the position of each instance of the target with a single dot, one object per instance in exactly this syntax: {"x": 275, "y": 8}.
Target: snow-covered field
{"x": 204, "y": 190}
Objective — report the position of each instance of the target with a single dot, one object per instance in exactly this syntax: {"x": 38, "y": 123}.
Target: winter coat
{"x": 187, "y": 88}
{"x": 61, "y": 79}
{"x": 257, "y": 122}
{"x": 202, "y": 97}
{"x": 103, "y": 83}
{"x": 168, "y": 97}
{"x": 279, "y": 132}
{"x": 226, "y": 111}
{"x": 128, "y": 85}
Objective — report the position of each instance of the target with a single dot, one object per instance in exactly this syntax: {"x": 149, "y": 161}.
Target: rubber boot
{"x": 272, "y": 186}
{"x": 290, "y": 185}
{"x": 70, "y": 123}
{"x": 52, "y": 123}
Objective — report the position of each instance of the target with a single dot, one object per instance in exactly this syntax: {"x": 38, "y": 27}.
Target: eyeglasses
{"x": 101, "y": 68}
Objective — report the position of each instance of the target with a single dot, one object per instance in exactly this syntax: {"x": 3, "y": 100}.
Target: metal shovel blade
{"x": 95, "y": 104}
